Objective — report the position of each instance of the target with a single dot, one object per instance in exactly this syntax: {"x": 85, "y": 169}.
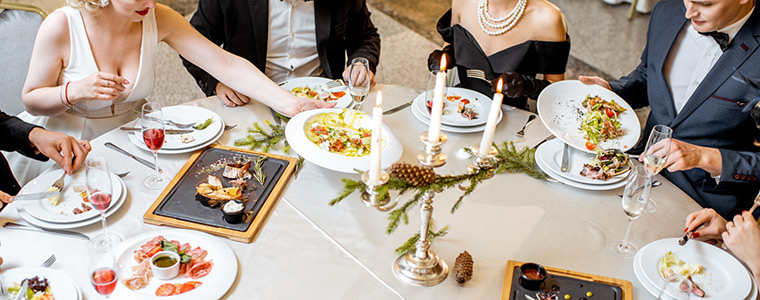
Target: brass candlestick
{"x": 372, "y": 198}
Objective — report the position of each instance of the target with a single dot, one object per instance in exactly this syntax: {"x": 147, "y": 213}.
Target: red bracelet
{"x": 66, "y": 93}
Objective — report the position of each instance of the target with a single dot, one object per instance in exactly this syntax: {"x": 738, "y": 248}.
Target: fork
{"x": 228, "y": 127}
{"x": 477, "y": 74}
{"x": 58, "y": 184}
{"x": 521, "y": 134}
{"x": 179, "y": 125}
{"x": 335, "y": 83}
{"x": 48, "y": 262}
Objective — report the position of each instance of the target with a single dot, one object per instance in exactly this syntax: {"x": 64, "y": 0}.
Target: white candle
{"x": 493, "y": 115}
{"x": 434, "y": 131}
{"x": 375, "y": 140}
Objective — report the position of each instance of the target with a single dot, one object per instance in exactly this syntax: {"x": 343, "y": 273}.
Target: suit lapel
{"x": 322, "y": 15}
{"x": 260, "y": 20}
{"x": 743, "y": 45}
{"x": 670, "y": 31}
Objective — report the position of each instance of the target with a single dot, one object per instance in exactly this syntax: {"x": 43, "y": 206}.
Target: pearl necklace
{"x": 502, "y": 24}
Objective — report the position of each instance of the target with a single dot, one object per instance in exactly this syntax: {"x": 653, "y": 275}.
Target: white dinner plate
{"x": 61, "y": 285}
{"x": 426, "y": 120}
{"x": 115, "y": 205}
{"x": 63, "y": 212}
{"x": 551, "y": 155}
{"x": 480, "y": 103}
{"x": 593, "y": 187}
{"x": 318, "y": 83}
{"x": 723, "y": 276}
{"x": 295, "y": 133}
{"x": 137, "y": 140}
{"x": 561, "y": 111}
{"x": 187, "y": 114}
{"x": 215, "y": 284}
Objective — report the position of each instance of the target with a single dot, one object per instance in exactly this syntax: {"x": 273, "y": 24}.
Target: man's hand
{"x": 742, "y": 237}
{"x": 5, "y": 198}
{"x": 304, "y": 104}
{"x": 595, "y": 80}
{"x": 685, "y": 156}
{"x": 360, "y": 76}
{"x": 229, "y": 97}
{"x": 63, "y": 149}
{"x": 713, "y": 225}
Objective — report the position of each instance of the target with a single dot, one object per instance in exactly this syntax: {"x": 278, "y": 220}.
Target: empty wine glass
{"x": 152, "y": 123}
{"x": 656, "y": 154}
{"x": 635, "y": 197}
{"x": 430, "y": 91}
{"x": 102, "y": 270}
{"x": 358, "y": 81}
{"x": 99, "y": 186}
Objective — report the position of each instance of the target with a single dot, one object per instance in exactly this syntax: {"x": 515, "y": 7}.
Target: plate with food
{"x": 591, "y": 187}
{"x": 603, "y": 167}
{"x": 316, "y": 88}
{"x": 42, "y": 284}
{"x": 716, "y": 273}
{"x": 424, "y": 117}
{"x": 138, "y": 141}
{"x": 207, "y": 266}
{"x": 339, "y": 139}
{"x": 72, "y": 205}
{"x": 461, "y": 107}
{"x": 588, "y": 116}
{"x": 207, "y": 126}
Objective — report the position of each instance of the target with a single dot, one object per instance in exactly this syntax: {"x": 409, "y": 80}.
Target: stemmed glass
{"x": 103, "y": 267}
{"x": 656, "y": 154}
{"x": 99, "y": 188}
{"x": 634, "y": 202}
{"x": 430, "y": 91}
{"x": 358, "y": 81}
{"x": 152, "y": 123}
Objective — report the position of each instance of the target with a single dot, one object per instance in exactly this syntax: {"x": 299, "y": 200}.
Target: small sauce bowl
{"x": 165, "y": 264}
{"x": 532, "y": 276}
{"x": 233, "y": 211}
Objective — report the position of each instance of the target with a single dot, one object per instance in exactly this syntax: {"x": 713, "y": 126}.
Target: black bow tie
{"x": 719, "y": 37}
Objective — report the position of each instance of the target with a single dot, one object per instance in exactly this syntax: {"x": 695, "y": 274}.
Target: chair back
{"x": 18, "y": 29}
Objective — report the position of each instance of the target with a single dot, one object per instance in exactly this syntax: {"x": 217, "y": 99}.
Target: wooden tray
{"x": 511, "y": 287}
{"x": 177, "y": 206}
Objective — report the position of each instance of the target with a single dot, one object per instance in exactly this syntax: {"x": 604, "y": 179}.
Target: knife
{"x": 397, "y": 108}
{"x": 72, "y": 234}
{"x": 22, "y": 291}
{"x": 36, "y": 196}
{"x": 140, "y": 160}
{"x": 565, "y": 158}
{"x": 275, "y": 116}
{"x": 166, "y": 131}
{"x": 548, "y": 138}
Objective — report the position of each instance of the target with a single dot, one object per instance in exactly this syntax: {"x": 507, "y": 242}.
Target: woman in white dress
{"x": 93, "y": 64}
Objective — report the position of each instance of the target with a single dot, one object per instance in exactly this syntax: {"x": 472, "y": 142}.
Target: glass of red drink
{"x": 152, "y": 123}
{"x": 103, "y": 275}
{"x": 99, "y": 188}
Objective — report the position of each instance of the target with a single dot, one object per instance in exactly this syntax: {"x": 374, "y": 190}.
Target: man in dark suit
{"x": 287, "y": 38}
{"x": 37, "y": 143}
{"x": 685, "y": 76}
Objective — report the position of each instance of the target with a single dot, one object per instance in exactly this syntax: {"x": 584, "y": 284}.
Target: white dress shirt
{"x": 292, "y": 46}
{"x": 692, "y": 57}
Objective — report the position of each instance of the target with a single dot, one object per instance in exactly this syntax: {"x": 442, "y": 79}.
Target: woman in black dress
{"x": 513, "y": 39}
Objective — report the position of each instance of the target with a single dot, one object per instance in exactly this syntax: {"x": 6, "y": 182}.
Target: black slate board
{"x": 575, "y": 287}
{"x": 180, "y": 202}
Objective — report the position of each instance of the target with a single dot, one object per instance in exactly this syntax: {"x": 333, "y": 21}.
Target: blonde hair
{"x": 90, "y": 5}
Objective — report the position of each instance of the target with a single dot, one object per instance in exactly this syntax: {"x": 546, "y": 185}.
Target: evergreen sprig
{"x": 258, "y": 172}
{"x": 411, "y": 243}
{"x": 264, "y": 140}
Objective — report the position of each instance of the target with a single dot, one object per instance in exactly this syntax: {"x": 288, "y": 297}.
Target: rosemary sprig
{"x": 258, "y": 172}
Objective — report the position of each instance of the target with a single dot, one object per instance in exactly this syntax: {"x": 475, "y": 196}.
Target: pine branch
{"x": 263, "y": 140}
{"x": 410, "y": 244}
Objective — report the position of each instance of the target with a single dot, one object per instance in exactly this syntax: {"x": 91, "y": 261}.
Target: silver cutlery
{"x": 228, "y": 127}
{"x": 335, "y": 83}
{"x": 58, "y": 184}
{"x": 35, "y": 196}
{"x": 477, "y": 74}
{"x": 398, "y": 108}
{"x": 565, "y": 158}
{"x": 122, "y": 175}
{"x": 685, "y": 238}
{"x": 275, "y": 116}
{"x": 48, "y": 262}
{"x": 179, "y": 125}
{"x": 22, "y": 291}
{"x": 520, "y": 135}
{"x": 72, "y": 234}
{"x": 138, "y": 159}
{"x": 548, "y": 138}
{"x": 166, "y": 131}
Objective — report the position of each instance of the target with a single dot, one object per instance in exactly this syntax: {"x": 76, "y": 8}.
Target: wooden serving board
{"x": 177, "y": 206}
{"x": 510, "y": 280}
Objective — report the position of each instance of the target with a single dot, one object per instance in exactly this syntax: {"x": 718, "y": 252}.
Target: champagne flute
{"x": 358, "y": 81}
{"x": 656, "y": 153}
{"x": 634, "y": 203}
{"x": 103, "y": 270}
{"x": 99, "y": 187}
{"x": 152, "y": 123}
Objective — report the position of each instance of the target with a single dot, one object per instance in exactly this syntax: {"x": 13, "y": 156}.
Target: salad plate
{"x": 421, "y": 116}
{"x": 592, "y": 187}
{"x": 70, "y": 199}
{"x": 455, "y": 97}
{"x": 138, "y": 141}
{"x": 723, "y": 276}
{"x": 551, "y": 154}
{"x": 560, "y": 107}
{"x": 296, "y": 133}
{"x": 214, "y": 285}
{"x": 61, "y": 285}
{"x": 316, "y": 88}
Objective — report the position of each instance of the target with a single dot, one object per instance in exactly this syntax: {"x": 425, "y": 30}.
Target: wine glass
{"x": 656, "y": 154}
{"x": 358, "y": 81}
{"x": 635, "y": 197}
{"x": 98, "y": 180}
{"x": 430, "y": 91}
{"x": 103, "y": 270}
{"x": 152, "y": 123}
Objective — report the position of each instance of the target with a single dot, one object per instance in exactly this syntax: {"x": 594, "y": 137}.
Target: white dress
{"x": 90, "y": 119}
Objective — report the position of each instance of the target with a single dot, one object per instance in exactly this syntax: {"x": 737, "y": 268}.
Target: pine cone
{"x": 413, "y": 174}
{"x": 463, "y": 268}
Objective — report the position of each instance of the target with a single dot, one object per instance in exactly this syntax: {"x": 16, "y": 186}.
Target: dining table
{"x": 308, "y": 249}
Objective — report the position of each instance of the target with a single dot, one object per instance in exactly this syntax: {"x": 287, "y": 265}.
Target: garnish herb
{"x": 204, "y": 124}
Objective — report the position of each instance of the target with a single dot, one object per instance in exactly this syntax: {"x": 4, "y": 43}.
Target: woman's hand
{"x": 98, "y": 86}
{"x": 595, "y": 80}
{"x": 742, "y": 237}
{"x": 713, "y": 225}
{"x": 230, "y": 97}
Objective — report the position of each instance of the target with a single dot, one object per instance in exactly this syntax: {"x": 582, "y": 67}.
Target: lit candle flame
{"x": 443, "y": 62}
{"x": 379, "y": 100}
{"x": 499, "y": 85}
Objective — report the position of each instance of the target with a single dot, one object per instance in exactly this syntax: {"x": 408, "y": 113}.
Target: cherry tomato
{"x": 610, "y": 113}
{"x": 590, "y": 146}
{"x": 166, "y": 289}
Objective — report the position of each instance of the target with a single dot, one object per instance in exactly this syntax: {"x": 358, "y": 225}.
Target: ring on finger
{"x": 108, "y": 83}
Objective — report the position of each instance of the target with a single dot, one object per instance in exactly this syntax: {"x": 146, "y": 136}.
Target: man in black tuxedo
{"x": 37, "y": 143}
{"x": 287, "y": 39}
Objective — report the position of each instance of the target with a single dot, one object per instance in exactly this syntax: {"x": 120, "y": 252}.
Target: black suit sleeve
{"x": 208, "y": 20}
{"x": 633, "y": 87}
{"x": 15, "y": 136}
{"x": 362, "y": 39}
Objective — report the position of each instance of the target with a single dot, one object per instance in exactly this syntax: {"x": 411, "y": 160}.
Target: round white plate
{"x": 479, "y": 102}
{"x": 187, "y": 114}
{"x": 723, "y": 277}
{"x": 63, "y": 212}
{"x": 61, "y": 285}
{"x": 295, "y": 133}
{"x": 319, "y": 83}
{"x": 551, "y": 155}
{"x": 115, "y": 205}
{"x": 592, "y": 187}
{"x": 561, "y": 111}
{"x": 138, "y": 141}
{"x": 426, "y": 120}
{"x": 215, "y": 284}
